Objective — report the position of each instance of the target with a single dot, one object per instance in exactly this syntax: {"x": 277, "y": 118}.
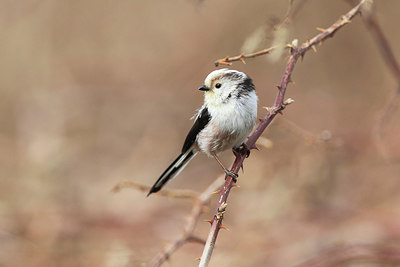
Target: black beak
{"x": 204, "y": 88}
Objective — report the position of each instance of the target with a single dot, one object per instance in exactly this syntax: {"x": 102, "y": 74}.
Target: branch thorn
{"x": 216, "y": 192}
{"x": 345, "y": 20}
{"x": 302, "y": 56}
{"x": 321, "y": 29}
{"x": 235, "y": 185}
{"x": 209, "y": 221}
{"x": 242, "y": 59}
{"x": 254, "y": 147}
{"x": 313, "y": 48}
{"x": 224, "y": 227}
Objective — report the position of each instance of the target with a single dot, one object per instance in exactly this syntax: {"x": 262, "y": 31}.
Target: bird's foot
{"x": 243, "y": 148}
{"x": 231, "y": 174}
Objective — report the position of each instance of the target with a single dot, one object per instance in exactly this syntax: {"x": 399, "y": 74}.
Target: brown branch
{"x": 242, "y": 57}
{"x": 371, "y": 22}
{"x": 277, "y": 107}
{"x": 382, "y": 254}
{"x": 188, "y": 234}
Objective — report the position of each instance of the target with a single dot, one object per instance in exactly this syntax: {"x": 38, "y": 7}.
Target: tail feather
{"x": 173, "y": 170}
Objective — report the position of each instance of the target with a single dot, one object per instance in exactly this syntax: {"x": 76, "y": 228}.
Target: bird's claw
{"x": 231, "y": 174}
{"x": 241, "y": 149}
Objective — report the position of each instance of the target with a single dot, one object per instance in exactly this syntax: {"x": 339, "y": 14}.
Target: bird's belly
{"x": 213, "y": 140}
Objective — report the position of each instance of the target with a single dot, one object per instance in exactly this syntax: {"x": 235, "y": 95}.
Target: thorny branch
{"x": 188, "y": 234}
{"x": 242, "y": 57}
{"x": 278, "y": 106}
{"x": 290, "y": 14}
{"x": 371, "y": 22}
{"x": 190, "y": 226}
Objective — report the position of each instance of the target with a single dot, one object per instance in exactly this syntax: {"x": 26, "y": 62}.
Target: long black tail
{"x": 173, "y": 170}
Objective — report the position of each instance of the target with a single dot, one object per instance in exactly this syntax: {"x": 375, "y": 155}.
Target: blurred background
{"x": 96, "y": 92}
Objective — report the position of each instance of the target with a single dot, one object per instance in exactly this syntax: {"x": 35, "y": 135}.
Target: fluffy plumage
{"x": 223, "y": 122}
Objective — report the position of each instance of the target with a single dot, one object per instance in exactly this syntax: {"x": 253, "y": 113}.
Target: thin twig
{"x": 278, "y": 106}
{"x": 242, "y": 57}
{"x": 371, "y": 22}
{"x": 188, "y": 234}
{"x": 383, "y": 117}
{"x": 282, "y": 29}
{"x": 145, "y": 188}
{"x": 293, "y": 10}
{"x": 381, "y": 254}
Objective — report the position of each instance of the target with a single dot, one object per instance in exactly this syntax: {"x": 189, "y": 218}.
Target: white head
{"x": 225, "y": 86}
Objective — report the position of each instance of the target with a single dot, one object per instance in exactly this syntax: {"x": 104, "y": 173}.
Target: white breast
{"x": 229, "y": 126}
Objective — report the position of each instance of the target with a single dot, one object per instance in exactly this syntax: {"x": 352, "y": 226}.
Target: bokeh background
{"x": 96, "y": 92}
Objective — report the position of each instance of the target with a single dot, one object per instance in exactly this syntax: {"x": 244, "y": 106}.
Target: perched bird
{"x": 224, "y": 121}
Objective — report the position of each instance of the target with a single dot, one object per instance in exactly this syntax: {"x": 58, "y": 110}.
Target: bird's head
{"x": 225, "y": 86}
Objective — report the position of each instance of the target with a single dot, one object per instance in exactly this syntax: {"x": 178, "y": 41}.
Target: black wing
{"x": 200, "y": 123}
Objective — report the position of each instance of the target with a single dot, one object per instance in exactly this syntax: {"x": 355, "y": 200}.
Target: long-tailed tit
{"x": 224, "y": 121}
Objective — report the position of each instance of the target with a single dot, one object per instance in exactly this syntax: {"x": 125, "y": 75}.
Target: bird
{"x": 226, "y": 118}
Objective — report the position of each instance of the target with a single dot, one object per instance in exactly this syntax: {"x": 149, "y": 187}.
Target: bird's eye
{"x": 218, "y": 85}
